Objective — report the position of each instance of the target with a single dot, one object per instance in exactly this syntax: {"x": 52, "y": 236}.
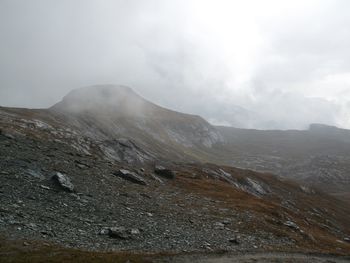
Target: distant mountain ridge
{"x": 319, "y": 156}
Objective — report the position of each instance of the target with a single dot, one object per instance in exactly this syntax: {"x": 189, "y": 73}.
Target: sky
{"x": 272, "y": 64}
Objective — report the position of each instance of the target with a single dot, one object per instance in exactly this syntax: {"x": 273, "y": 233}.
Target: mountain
{"x": 106, "y": 170}
{"x": 122, "y": 126}
{"x": 110, "y": 112}
{"x": 318, "y": 156}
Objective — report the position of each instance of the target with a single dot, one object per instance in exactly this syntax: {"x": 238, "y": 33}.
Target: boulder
{"x": 164, "y": 172}
{"x": 130, "y": 176}
{"x": 63, "y": 181}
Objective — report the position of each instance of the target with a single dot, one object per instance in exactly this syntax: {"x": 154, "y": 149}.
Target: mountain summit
{"x": 107, "y": 112}
{"x": 105, "y": 99}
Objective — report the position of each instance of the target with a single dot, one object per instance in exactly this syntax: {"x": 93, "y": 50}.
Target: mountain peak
{"x": 109, "y": 111}
{"x": 101, "y": 98}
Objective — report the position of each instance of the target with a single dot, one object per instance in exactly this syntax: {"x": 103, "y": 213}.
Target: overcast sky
{"x": 257, "y": 64}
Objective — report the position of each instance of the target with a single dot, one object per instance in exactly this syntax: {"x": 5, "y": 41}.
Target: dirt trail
{"x": 258, "y": 258}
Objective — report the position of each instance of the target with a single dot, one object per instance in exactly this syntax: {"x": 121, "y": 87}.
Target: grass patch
{"x": 16, "y": 251}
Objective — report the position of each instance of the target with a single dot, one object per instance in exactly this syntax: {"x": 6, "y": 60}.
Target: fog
{"x": 255, "y": 64}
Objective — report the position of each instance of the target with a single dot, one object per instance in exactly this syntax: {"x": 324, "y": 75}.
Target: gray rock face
{"x": 256, "y": 188}
{"x": 164, "y": 172}
{"x": 124, "y": 150}
{"x": 130, "y": 176}
{"x": 63, "y": 181}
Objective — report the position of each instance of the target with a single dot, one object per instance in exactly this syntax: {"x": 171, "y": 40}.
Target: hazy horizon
{"x": 250, "y": 64}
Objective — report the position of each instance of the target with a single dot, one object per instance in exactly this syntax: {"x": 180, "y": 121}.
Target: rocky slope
{"x": 123, "y": 126}
{"x": 109, "y": 112}
{"x": 201, "y": 208}
{"x": 318, "y": 156}
{"x": 88, "y": 174}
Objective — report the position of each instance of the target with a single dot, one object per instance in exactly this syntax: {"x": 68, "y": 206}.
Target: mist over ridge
{"x": 245, "y": 64}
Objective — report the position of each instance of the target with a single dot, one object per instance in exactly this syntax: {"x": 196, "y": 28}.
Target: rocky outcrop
{"x": 125, "y": 150}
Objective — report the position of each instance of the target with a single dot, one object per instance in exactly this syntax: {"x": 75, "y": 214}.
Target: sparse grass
{"x": 316, "y": 238}
{"x": 17, "y": 252}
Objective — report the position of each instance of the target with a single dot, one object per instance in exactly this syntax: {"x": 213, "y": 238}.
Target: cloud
{"x": 256, "y": 64}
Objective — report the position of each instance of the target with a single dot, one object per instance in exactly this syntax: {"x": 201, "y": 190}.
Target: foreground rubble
{"x": 205, "y": 208}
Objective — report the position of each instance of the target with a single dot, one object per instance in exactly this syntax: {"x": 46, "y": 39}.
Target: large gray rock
{"x": 130, "y": 176}
{"x": 63, "y": 181}
{"x": 164, "y": 172}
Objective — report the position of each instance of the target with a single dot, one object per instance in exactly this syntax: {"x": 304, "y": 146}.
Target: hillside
{"x": 104, "y": 112}
{"x": 106, "y": 170}
{"x": 318, "y": 156}
{"x": 123, "y": 126}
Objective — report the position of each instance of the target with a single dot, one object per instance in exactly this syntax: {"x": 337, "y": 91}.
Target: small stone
{"x": 207, "y": 246}
{"x": 146, "y": 195}
{"x": 226, "y": 222}
{"x": 104, "y": 231}
{"x": 32, "y": 226}
{"x": 347, "y": 239}
{"x": 118, "y": 232}
{"x": 45, "y": 187}
{"x": 135, "y": 231}
{"x": 219, "y": 225}
{"x": 63, "y": 181}
{"x": 25, "y": 243}
{"x": 234, "y": 241}
{"x": 81, "y": 166}
{"x": 291, "y": 224}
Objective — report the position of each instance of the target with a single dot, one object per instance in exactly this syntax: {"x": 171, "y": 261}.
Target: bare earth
{"x": 257, "y": 258}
